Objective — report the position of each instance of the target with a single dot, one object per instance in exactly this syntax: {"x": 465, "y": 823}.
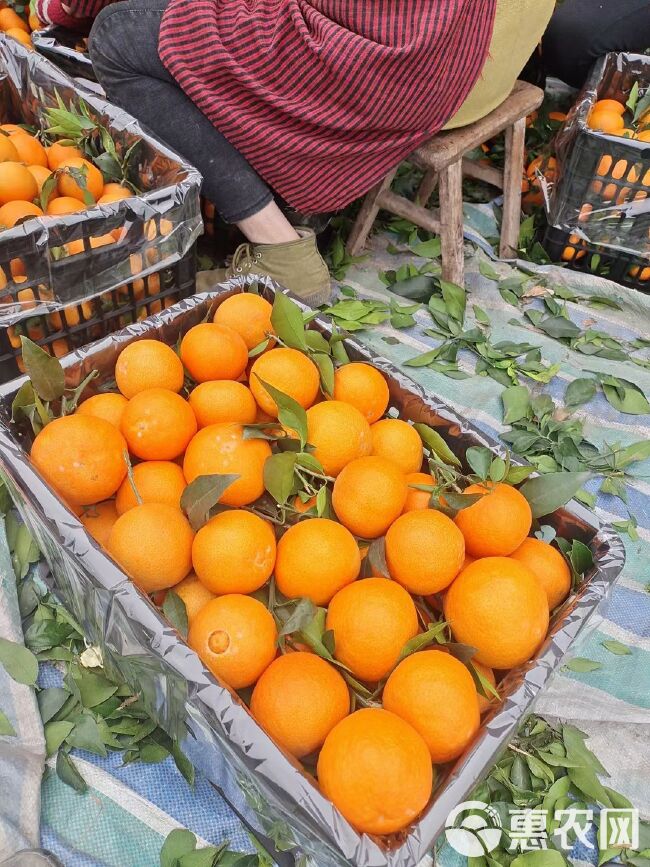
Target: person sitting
{"x": 310, "y": 102}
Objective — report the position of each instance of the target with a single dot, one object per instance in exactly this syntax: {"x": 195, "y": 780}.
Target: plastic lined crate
{"x": 599, "y": 205}
{"x": 272, "y": 790}
{"x": 53, "y": 264}
{"x": 564, "y": 246}
{"x": 63, "y": 331}
{"x": 67, "y": 49}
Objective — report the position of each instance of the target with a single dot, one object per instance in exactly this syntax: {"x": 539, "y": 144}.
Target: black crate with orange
{"x": 599, "y": 210}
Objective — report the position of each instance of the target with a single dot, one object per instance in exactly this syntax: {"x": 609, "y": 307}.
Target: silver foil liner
{"x": 215, "y": 727}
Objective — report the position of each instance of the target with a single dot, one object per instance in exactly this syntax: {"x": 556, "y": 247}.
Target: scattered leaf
{"x": 19, "y": 662}
{"x": 546, "y": 494}
{"x": 616, "y": 647}
{"x": 581, "y": 664}
{"x": 580, "y": 391}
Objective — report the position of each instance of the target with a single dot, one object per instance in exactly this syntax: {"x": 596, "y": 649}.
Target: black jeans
{"x": 581, "y": 31}
{"x": 124, "y": 51}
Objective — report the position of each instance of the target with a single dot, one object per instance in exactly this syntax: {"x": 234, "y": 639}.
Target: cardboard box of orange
{"x": 274, "y": 791}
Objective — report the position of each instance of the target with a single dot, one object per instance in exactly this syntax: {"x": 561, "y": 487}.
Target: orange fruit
{"x": 222, "y": 401}
{"x": 287, "y": 370}
{"x": 548, "y": 566}
{"x": 20, "y": 35}
{"x": 158, "y": 424}
{"x": 236, "y": 637}
{"x": 605, "y": 120}
{"x": 99, "y": 520}
{"x": 498, "y": 606}
{"x": 148, "y": 364}
{"x": 376, "y": 770}
{"x": 153, "y": 544}
{"x": 34, "y": 22}
{"x": 155, "y": 482}
{"x": 82, "y": 457}
{"x": 70, "y": 184}
{"x": 234, "y": 552}
{"x": 222, "y": 449}
{"x": 644, "y": 135}
{"x": 113, "y": 189}
{"x": 611, "y": 105}
{"x": 496, "y": 524}
{"x": 397, "y": 441}
{"x": 416, "y": 499}
{"x": 298, "y": 700}
{"x": 110, "y": 407}
{"x": 247, "y": 314}
{"x": 41, "y": 174}
{"x": 339, "y": 434}
{"x": 17, "y": 212}
{"x": 194, "y": 594}
{"x": 64, "y": 205}
{"x": 16, "y": 183}
{"x": 435, "y": 693}
{"x": 114, "y": 195}
{"x": 308, "y": 505}
{"x": 316, "y": 558}
{"x": 58, "y": 153}
{"x": 30, "y": 150}
{"x": 212, "y": 351}
{"x": 424, "y": 551}
{"x": 368, "y": 495}
{"x": 372, "y": 620}
{"x": 485, "y": 703}
{"x": 10, "y": 20}
{"x": 11, "y": 128}
{"x": 8, "y": 152}
{"x": 544, "y": 165}
{"x": 364, "y": 387}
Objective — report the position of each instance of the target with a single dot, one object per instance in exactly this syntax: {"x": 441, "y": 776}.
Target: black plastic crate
{"x": 579, "y": 255}
{"x": 62, "y": 47}
{"x": 63, "y": 331}
{"x": 601, "y": 193}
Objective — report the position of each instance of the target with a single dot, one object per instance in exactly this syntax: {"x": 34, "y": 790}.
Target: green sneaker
{"x": 295, "y": 265}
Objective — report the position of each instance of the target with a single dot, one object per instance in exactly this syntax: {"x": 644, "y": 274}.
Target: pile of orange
{"x": 498, "y": 584}
{"x": 12, "y": 25}
{"x": 49, "y": 182}
{"x": 75, "y": 183}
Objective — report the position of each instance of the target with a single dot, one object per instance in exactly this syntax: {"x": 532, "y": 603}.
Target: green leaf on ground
{"x": 580, "y": 391}
{"x": 19, "y": 662}
{"x": 68, "y": 773}
{"x": 177, "y": 843}
{"x": 616, "y": 647}
{"x": 582, "y": 664}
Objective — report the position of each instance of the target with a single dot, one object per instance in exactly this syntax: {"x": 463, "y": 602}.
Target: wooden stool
{"x": 442, "y": 160}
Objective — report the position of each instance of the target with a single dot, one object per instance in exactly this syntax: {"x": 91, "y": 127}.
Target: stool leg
{"x": 367, "y": 215}
{"x": 511, "y": 218}
{"x": 428, "y": 185}
{"x": 451, "y": 219}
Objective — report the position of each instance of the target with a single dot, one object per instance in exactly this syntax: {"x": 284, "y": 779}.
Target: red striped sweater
{"x": 323, "y": 97}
